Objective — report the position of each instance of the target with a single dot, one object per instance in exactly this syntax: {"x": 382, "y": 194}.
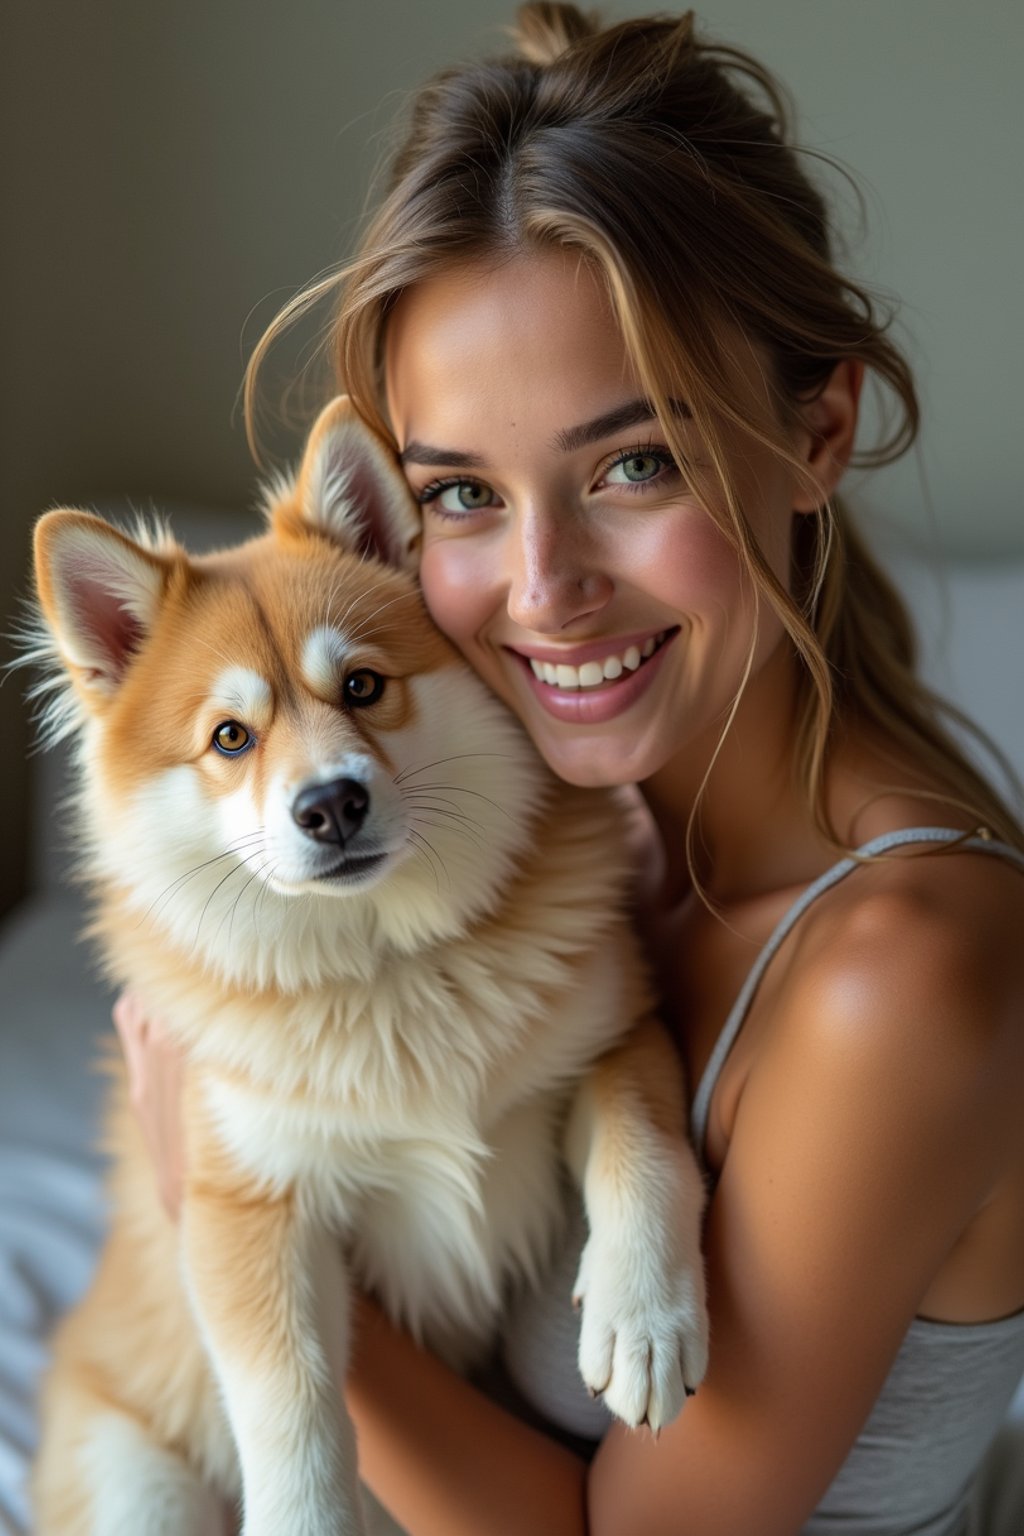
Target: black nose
{"x": 333, "y": 812}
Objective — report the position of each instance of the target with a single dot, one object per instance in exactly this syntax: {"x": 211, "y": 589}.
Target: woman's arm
{"x": 445, "y": 1459}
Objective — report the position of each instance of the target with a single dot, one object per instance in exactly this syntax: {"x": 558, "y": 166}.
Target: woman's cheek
{"x": 453, "y": 588}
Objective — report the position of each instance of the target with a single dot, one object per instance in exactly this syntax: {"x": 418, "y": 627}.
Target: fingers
{"x": 131, "y": 1026}
{"x": 155, "y": 1084}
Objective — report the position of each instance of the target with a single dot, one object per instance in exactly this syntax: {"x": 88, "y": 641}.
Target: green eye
{"x": 453, "y": 497}
{"x": 231, "y": 738}
{"x": 642, "y": 466}
{"x": 363, "y": 687}
{"x": 472, "y": 495}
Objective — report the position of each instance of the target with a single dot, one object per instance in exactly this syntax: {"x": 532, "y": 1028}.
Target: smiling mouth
{"x": 594, "y": 675}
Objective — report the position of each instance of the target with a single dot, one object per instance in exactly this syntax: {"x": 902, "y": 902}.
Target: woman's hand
{"x": 154, "y": 1081}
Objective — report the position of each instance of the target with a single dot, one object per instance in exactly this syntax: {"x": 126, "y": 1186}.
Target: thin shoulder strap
{"x": 831, "y": 877}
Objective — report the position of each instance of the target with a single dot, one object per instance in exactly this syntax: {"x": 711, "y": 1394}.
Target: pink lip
{"x": 594, "y": 650}
{"x": 595, "y": 706}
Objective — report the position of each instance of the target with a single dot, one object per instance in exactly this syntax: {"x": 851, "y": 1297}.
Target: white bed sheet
{"x": 51, "y": 1208}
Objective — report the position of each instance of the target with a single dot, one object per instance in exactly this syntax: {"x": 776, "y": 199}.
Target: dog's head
{"x": 273, "y": 727}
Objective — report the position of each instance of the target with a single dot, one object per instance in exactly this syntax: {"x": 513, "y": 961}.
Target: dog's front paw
{"x": 644, "y": 1331}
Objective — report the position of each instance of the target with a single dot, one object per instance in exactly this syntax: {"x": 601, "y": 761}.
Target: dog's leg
{"x": 644, "y": 1332}
{"x": 102, "y": 1474}
{"x": 270, "y": 1293}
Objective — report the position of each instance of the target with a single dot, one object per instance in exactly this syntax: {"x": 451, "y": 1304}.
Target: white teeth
{"x": 593, "y": 673}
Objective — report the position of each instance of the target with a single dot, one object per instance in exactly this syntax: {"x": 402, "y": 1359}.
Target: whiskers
{"x": 434, "y": 805}
{"x": 425, "y": 851}
{"x": 461, "y": 823}
{"x": 243, "y": 852}
{"x": 438, "y": 762}
{"x": 421, "y": 788}
{"x": 264, "y": 873}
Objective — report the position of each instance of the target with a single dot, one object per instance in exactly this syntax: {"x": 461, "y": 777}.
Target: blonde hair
{"x": 666, "y": 160}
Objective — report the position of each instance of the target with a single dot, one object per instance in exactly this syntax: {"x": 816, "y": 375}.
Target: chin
{"x": 598, "y": 762}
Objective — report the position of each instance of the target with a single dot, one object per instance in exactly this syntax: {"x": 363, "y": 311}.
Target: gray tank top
{"x": 910, "y": 1470}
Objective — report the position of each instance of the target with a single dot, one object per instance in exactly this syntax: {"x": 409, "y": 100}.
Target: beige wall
{"x": 171, "y": 172}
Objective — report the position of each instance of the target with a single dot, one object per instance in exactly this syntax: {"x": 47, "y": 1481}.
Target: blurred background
{"x": 173, "y": 173}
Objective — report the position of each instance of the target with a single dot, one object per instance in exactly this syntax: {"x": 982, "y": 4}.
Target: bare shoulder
{"x": 900, "y": 1019}
{"x": 913, "y": 952}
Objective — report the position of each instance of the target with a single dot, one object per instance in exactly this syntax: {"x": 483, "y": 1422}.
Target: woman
{"x": 598, "y": 317}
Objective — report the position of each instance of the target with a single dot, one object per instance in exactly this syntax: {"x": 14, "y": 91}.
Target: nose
{"x": 554, "y": 575}
{"x": 332, "y": 812}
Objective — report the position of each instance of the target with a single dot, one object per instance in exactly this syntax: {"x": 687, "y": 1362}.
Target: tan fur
{"x": 395, "y": 1067}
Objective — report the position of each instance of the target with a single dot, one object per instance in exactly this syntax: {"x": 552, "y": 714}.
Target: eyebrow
{"x": 422, "y": 453}
{"x": 632, "y": 414}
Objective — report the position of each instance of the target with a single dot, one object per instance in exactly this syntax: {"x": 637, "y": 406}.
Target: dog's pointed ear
{"x": 350, "y": 488}
{"x": 99, "y": 593}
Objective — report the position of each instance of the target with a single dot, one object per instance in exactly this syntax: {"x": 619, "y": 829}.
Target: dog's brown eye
{"x": 363, "y": 687}
{"x": 231, "y": 738}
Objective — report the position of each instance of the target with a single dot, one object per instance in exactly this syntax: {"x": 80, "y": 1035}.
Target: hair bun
{"x": 544, "y": 30}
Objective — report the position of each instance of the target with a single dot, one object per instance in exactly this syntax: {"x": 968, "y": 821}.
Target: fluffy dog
{"x": 395, "y": 953}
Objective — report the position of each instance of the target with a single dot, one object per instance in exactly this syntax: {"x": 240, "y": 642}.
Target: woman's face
{"x": 564, "y": 552}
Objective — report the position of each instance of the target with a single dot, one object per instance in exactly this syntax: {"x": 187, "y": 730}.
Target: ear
{"x": 99, "y": 593}
{"x": 826, "y": 438}
{"x": 351, "y": 489}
